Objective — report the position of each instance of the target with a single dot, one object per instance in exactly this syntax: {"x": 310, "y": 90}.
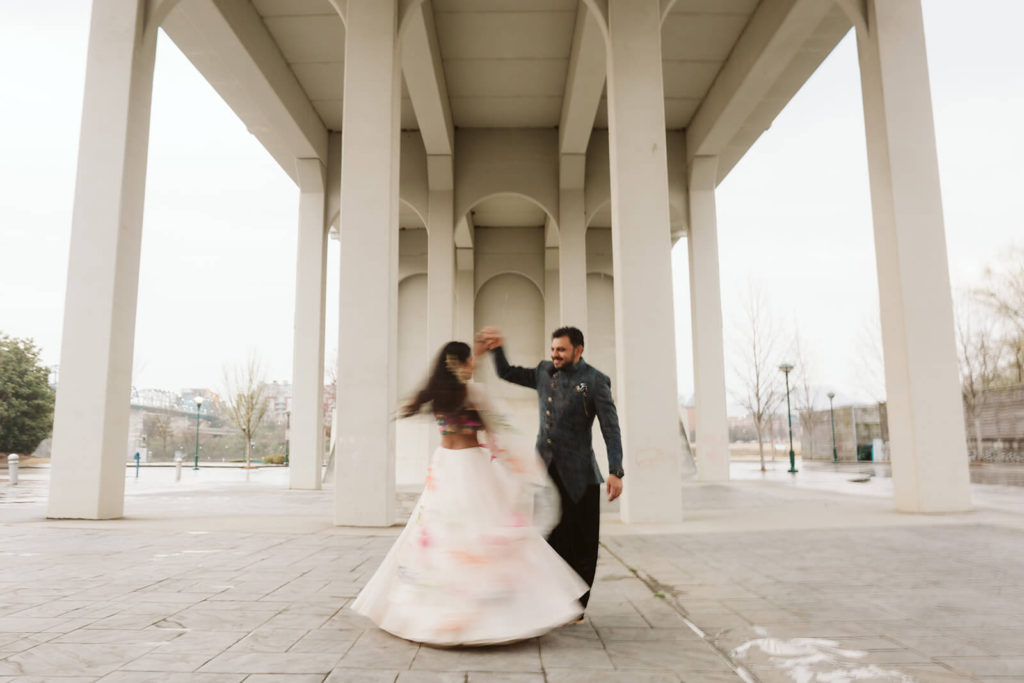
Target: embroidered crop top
{"x": 464, "y": 422}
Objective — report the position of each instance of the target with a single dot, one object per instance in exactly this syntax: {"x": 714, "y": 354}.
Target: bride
{"x": 471, "y": 566}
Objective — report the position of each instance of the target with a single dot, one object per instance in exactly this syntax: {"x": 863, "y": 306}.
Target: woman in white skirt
{"x": 472, "y": 567}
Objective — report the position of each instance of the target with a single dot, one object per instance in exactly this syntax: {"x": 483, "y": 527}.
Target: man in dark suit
{"x": 570, "y": 395}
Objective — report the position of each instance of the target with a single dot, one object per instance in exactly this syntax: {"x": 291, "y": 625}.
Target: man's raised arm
{"x": 526, "y": 377}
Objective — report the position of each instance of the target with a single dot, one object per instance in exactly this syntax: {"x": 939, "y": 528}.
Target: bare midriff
{"x": 457, "y": 442}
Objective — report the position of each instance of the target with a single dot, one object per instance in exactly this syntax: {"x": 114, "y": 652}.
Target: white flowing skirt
{"x": 470, "y": 567}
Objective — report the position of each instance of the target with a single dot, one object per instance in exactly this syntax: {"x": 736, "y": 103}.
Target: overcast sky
{"x": 218, "y": 255}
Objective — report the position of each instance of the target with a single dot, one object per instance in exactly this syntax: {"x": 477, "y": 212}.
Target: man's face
{"x": 563, "y": 353}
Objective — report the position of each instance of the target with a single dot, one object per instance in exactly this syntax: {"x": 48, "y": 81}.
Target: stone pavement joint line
{"x": 668, "y": 594}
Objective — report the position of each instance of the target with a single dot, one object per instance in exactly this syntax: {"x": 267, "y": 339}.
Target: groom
{"x": 570, "y": 394}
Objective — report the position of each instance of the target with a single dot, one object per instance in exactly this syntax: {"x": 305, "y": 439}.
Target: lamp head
{"x": 831, "y": 395}
{"x": 198, "y": 400}
{"x": 786, "y": 367}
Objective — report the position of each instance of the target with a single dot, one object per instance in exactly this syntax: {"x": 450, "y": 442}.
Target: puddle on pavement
{"x": 813, "y": 660}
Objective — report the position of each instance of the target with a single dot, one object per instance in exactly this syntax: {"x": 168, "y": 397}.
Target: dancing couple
{"x": 472, "y": 566}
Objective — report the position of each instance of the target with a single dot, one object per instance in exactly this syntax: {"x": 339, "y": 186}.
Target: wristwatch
{"x": 618, "y": 473}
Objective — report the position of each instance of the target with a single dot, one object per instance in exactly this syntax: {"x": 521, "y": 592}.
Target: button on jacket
{"x": 570, "y": 399}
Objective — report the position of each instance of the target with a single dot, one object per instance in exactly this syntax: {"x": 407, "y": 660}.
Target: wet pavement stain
{"x": 813, "y": 660}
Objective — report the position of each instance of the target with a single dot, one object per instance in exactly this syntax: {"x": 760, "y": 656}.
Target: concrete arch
{"x": 521, "y": 161}
{"x": 413, "y": 354}
{"x": 517, "y": 273}
{"x": 513, "y": 303}
{"x": 420, "y": 212}
{"x": 599, "y": 8}
{"x": 600, "y": 340}
{"x": 413, "y": 361}
{"x": 156, "y": 12}
{"x": 677, "y": 210}
{"x": 666, "y": 7}
{"x": 407, "y": 277}
{"x": 506, "y": 193}
{"x": 334, "y": 221}
{"x": 593, "y": 211}
{"x": 405, "y": 9}
{"x": 341, "y": 7}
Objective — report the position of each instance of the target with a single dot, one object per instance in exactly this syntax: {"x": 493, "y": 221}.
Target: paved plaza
{"x": 215, "y": 578}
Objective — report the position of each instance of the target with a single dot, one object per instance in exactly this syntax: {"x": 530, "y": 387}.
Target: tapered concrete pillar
{"x": 90, "y": 435}
{"x": 465, "y": 294}
{"x": 926, "y": 424}
{"x": 367, "y": 350}
{"x": 712, "y": 423}
{"x": 440, "y": 269}
{"x": 306, "y": 448}
{"x": 572, "y": 242}
{"x": 641, "y": 242}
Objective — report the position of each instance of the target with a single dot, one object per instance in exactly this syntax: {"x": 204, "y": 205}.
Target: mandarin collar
{"x": 573, "y": 369}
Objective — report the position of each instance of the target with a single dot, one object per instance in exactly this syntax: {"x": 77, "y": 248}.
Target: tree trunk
{"x": 977, "y": 436}
{"x": 248, "y": 448}
{"x": 760, "y": 449}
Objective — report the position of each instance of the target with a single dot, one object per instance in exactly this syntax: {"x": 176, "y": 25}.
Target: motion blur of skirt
{"x": 472, "y": 567}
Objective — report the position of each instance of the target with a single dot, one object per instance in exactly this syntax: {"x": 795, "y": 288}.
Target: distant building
{"x": 279, "y": 399}
{"x": 995, "y": 429}
{"x": 862, "y": 433}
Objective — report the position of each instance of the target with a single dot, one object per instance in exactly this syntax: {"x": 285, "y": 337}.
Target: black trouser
{"x": 575, "y": 538}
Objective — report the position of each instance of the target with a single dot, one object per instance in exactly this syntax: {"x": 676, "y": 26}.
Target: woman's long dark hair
{"x": 444, "y": 391}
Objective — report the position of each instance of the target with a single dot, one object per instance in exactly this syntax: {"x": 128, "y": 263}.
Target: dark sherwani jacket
{"x": 569, "y": 399}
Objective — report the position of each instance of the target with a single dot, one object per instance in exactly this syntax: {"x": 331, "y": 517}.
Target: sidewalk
{"x": 213, "y": 579}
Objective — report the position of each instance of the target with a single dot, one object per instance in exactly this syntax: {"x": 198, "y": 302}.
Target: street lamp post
{"x": 787, "y": 368}
{"x": 199, "y": 404}
{"x": 832, "y": 414}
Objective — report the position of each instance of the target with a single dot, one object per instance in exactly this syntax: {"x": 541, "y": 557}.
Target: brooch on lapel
{"x": 583, "y": 390}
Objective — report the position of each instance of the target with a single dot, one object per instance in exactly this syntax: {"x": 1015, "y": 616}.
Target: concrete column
{"x": 552, "y": 293}
{"x": 926, "y": 423}
{"x": 465, "y": 294}
{"x": 307, "y": 424}
{"x": 641, "y": 241}
{"x": 91, "y": 422}
{"x": 572, "y": 242}
{"x": 440, "y": 269}
{"x": 367, "y": 347}
{"x": 440, "y": 277}
{"x": 712, "y": 423}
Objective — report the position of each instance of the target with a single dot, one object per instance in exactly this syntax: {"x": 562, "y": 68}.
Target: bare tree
{"x": 872, "y": 358}
{"x": 805, "y": 395}
{"x": 159, "y": 427}
{"x": 980, "y": 358}
{"x": 760, "y": 393}
{"x": 1004, "y": 296}
{"x": 246, "y": 398}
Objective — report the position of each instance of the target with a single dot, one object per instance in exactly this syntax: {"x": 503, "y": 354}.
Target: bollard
{"x": 177, "y": 467}
{"x": 12, "y": 468}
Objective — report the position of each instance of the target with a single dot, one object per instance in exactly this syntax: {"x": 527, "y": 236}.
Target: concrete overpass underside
{"x": 525, "y": 163}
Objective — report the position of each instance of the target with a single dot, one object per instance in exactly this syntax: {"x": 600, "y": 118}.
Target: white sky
{"x": 218, "y": 255}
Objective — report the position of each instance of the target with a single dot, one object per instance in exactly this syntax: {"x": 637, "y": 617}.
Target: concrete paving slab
{"x": 200, "y": 583}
